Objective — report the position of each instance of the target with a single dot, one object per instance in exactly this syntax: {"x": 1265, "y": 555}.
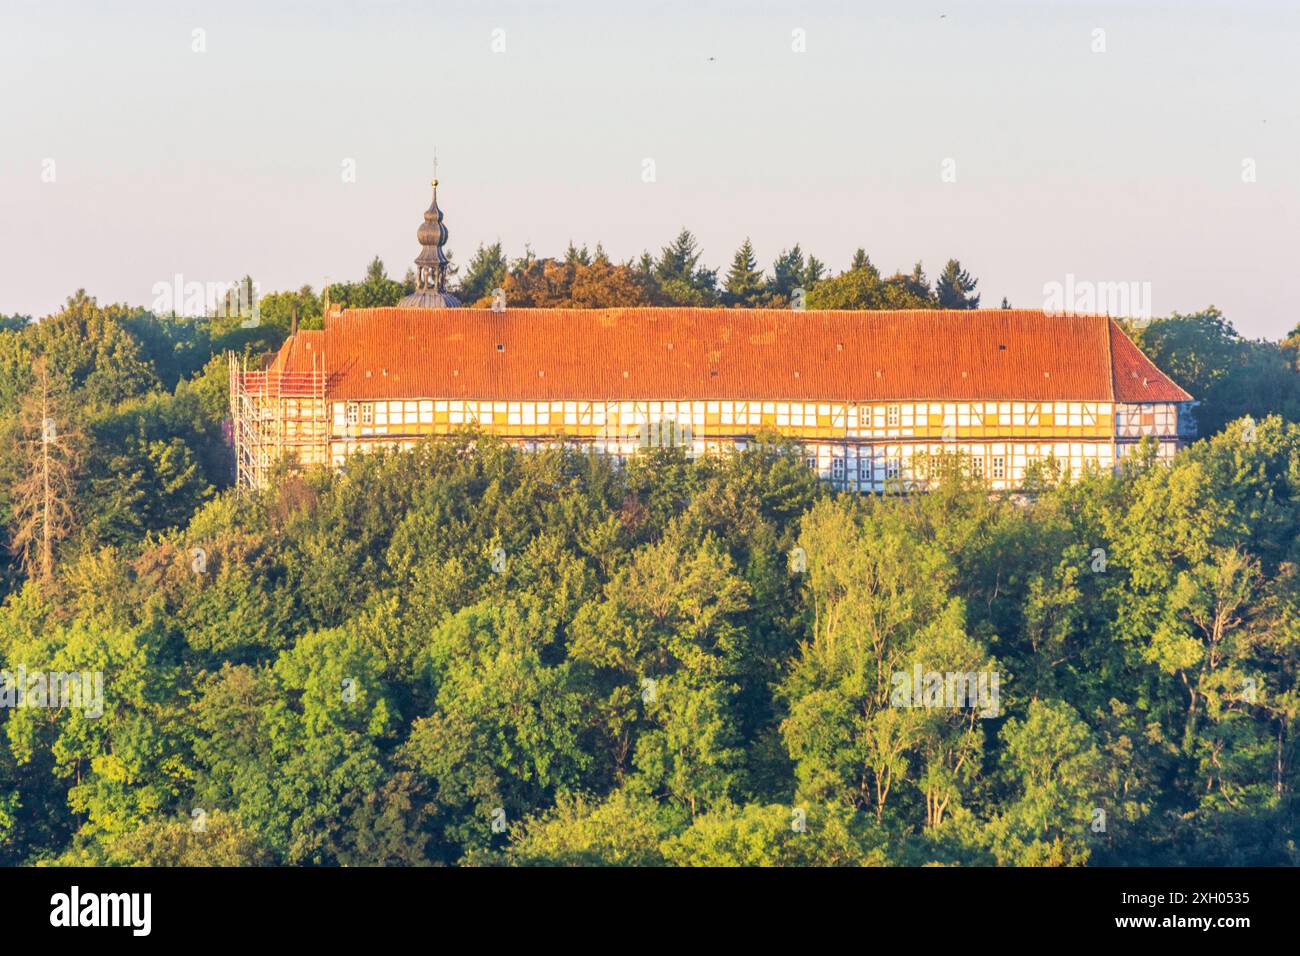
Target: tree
{"x": 486, "y": 271}
{"x": 787, "y": 275}
{"x": 691, "y": 754}
{"x": 676, "y": 655}
{"x": 88, "y": 349}
{"x": 212, "y": 839}
{"x": 539, "y": 283}
{"x": 622, "y": 830}
{"x": 813, "y": 272}
{"x": 282, "y": 309}
{"x": 1229, "y": 376}
{"x": 645, "y": 276}
{"x": 680, "y": 276}
{"x": 956, "y": 288}
{"x": 881, "y": 606}
{"x": 767, "y": 835}
{"x": 1052, "y": 764}
{"x": 375, "y": 291}
{"x": 49, "y": 453}
{"x": 603, "y": 285}
{"x": 864, "y": 289}
{"x": 856, "y": 289}
{"x": 493, "y": 684}
{"x": 679, "y": 259}
{"x": 577, "y": 257}
{"x": 744, "y": 283}
{"x": 150, "y": 465}
{"x": 1291, "y": 346}
{"x": 915, "y": 284}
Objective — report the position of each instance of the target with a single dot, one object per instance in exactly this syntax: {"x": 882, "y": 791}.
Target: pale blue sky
{"x": 1117, "y": 166}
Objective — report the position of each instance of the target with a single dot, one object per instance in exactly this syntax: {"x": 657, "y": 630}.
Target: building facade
{"x": 873, "y": 398}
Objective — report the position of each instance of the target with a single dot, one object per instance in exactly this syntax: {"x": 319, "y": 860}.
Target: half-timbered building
{"x": 873, "y": 398}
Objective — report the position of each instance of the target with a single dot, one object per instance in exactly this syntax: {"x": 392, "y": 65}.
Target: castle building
{"x": 872, "y": 397}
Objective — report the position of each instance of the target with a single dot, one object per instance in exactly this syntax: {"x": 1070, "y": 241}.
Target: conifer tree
{"x": 862, "y": 262}
{"x": 744, "y": 283}
{"x": 813, "y": 272}
{"x": 678, "y": 260}
{"x": 575, "y": 256}
{"x": 956, "y": 288}
{"x": 486, "y": 271}
{"x": 787, "y": 273}
{"x": 682, "y": 280}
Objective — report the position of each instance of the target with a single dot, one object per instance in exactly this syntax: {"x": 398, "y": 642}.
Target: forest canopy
{"x": 471, "y": 654}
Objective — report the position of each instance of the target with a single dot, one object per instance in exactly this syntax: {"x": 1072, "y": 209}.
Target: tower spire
{"x": 431, "y": 267}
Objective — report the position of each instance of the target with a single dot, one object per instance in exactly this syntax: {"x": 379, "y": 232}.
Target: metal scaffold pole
{"x": 276, "y": 416}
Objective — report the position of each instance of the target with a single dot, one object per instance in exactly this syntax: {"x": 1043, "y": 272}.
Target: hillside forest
{"x": 467, "y": 654}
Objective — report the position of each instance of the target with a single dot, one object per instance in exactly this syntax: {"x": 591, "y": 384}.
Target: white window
{"x": 368, "y": 414}
{"x": 977, "y": 466}
{"x": 891, "y": 416}
{"x": 837, "y": 469}
{"x": 352, "y": 413}
{"x": 999, "y": 467}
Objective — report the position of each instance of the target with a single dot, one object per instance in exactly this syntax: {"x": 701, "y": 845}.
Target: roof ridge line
{"x": 1110, "y": 359}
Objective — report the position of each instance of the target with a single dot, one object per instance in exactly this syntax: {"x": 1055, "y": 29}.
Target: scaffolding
{"x": 276, "y": 416}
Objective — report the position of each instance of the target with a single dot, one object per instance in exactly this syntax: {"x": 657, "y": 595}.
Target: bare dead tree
{"x": 48, "y": 455}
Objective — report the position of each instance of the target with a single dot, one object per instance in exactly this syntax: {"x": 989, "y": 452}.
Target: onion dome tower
{"x": 431, "y": 267}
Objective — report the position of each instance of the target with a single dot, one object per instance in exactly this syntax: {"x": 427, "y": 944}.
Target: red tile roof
{"x": 1136, "y": 377}
{"x": 678, "y": 354}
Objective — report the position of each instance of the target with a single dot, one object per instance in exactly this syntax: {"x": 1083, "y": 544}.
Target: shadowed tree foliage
{"x": 1230, "y": 376}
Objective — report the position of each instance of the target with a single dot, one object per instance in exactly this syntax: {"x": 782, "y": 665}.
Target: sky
{"x": 1154, "y": 144}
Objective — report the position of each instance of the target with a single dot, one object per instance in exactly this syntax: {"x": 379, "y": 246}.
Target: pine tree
{"x": 678, "y": 260}
{"x": 680, "y": 277}
{"x": 956, "y": 288}
{"x": 918, "y": 284}
{"x": 862, "y": 262}
{"x": 574, "y": 256}
{"x": 644, "y": 272}
{"x": 645, "y": 266}
{"x": 745, "y": 282}
{"x": 813, "y": 272}
{"x": 486, "y": 271}
{"x": 787, "y": 274}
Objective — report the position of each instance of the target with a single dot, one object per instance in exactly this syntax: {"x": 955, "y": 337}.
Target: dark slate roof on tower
{"x": 431, "y": 264}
